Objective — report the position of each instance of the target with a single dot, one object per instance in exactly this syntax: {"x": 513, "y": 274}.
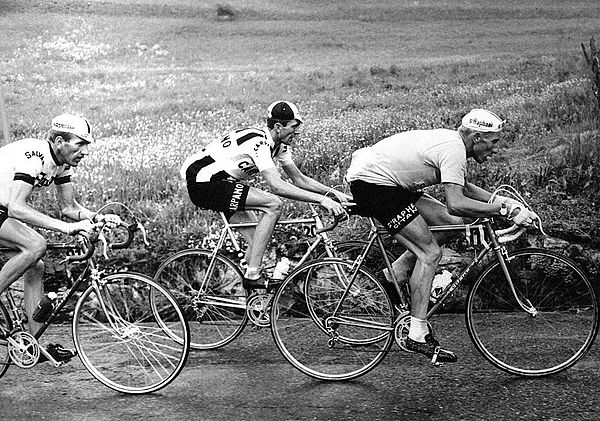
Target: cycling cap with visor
{"x": 74, "y": 124}
{"x": 284, "y": 111}
{"x": 483, "y": 121}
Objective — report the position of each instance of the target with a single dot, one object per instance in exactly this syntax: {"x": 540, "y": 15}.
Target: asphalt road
{"x": 249, "y": 380}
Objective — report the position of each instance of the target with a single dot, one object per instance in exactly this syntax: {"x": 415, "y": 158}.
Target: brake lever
{"x": 102, "y": 239}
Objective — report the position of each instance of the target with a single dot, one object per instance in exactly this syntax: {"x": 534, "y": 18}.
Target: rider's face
{"x": 288, "y": 132}
{"x": 71, "y": 151}
{"x": 485, "y": 145}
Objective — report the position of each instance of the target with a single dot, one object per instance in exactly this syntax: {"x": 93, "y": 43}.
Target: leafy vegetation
{"x": 161, "y": 79}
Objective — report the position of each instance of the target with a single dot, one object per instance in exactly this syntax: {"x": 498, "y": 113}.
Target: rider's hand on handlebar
{"x": 84, "y": 225}
{"x": 524, "y": 217}
{"x": 110, "y": 220}
{"x": 332, "y": 206}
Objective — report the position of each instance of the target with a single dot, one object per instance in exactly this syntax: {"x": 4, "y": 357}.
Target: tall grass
{"x": 155, "y": 97}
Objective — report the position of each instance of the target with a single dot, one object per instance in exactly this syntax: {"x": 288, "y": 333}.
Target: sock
{"x": 252, "y": 273}
{"x": 418, "y": 329}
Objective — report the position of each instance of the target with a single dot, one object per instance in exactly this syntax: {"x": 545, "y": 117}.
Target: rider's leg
{"x": 34, "y": 290}
{"x": 435, "y": 213}
{"x": 271, "y": 207}
{"x": 417, "y": 238}
{"x": 246, "y": 232}
{"x": 26, "y": 261}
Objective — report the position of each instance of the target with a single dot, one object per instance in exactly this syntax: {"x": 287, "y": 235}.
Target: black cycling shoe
{"x": 431, "y": 349}
{"x": 58, "y": 352}
{"x": 259, "y": 283}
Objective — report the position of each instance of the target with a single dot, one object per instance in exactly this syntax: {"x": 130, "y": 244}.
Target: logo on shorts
{"x": 236, "y": 197}
{"x": 400, "y": 220}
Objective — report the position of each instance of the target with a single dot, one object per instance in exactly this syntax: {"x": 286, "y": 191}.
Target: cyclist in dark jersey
{"x": 214, "y": 177}
{"x": 386, "y": 181}
{"x": 30, "y": 164}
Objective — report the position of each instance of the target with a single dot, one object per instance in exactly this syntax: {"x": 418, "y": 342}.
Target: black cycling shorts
{"x": 3, "y": 214}
{"x": 393, "y": 206}
{"x": 227, "y": 196}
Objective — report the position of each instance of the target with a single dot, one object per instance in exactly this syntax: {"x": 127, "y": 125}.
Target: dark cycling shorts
{"x": 3, "y": 214}
{"x": 225, "y": 196}
{"x": 393, "y": 206}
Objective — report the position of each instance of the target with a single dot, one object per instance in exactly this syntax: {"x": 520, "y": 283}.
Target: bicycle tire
{"x": 7, "y": 326}
{"x": 312, "y": 341}
{"x": 552, "y": 341}
{"x": 216, "y": 313}
{"x": 124, "y": 340}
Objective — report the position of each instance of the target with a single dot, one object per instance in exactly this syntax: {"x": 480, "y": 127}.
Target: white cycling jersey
{"x": 412, "y": 160}
{"x": 241, "y": 155}
{"x": 32, "y": 161}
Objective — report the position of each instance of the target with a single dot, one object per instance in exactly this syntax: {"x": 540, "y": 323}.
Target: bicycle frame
{"x": 476, "y": 232}
{"x": 314, "y": 223}
{"x": 89, "y": 274}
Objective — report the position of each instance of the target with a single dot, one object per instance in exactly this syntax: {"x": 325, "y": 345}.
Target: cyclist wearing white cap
{"x": 26, "y": 165}
{"x": 386, "y": 181}
{"x": 213, "y": 178}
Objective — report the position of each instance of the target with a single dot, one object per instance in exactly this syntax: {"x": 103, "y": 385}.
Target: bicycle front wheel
{"x": 332, "y": 322}
{"x": 554, "y": 335}
{"x": 124, "y": 328}
{"x": 214, "y": 303}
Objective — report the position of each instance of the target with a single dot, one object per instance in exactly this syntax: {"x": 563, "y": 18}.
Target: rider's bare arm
{"x": 477, "y": 193}
{"x": 469, "y": 201}
{"x": 282, "y": 188}
{"x": 69, "y": 205}
{"x": 307, "y": 183}
{"x": 19, "y": 209}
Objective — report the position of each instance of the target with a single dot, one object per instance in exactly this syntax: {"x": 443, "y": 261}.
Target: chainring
{"x": 23, "y": 349}
{"x": 258, "y": 307}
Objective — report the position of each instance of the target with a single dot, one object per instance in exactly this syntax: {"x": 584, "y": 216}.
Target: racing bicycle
{"x": 207, "y": 283}
{"x": 128, "y": 330}
{"x": 529, "y": 311}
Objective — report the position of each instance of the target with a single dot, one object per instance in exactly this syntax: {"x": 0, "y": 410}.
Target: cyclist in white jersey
{"x": 385, "y": 180}
{"x": 30, "y": 164}
{"x": 213, "y": 178}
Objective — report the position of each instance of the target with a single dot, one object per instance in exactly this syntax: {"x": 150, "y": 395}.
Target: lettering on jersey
{"x": 236, "y": 197}
{"x": 259, "y": 144}
{"x": 225, "y": 142}
{"x": 248, "y": 167}
{"x": 33, "y": 154}
{"x": 400, "y": 220}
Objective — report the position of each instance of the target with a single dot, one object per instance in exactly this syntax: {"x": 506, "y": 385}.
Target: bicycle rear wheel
{"x": 124, "y": 328}
{"x": 5, "y": 328}
{"x": 215, "y": 309}
{"x": 556, "y": 337}
{"x": 330, "y": 324}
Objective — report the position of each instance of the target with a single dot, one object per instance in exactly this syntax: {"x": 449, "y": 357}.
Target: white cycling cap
{"x": 483, "y": 121}
{"x": 284, "y": 111}
{"x": 77, "y": 125}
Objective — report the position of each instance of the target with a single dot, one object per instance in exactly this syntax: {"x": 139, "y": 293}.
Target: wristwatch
{"x": 503, "y": 209}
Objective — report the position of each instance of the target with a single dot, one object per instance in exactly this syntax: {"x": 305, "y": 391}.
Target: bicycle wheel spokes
{"x": 555, "y": 335}
{"x": 130, "y": 333}
{"x": 214, "y": 304}
{"x": 325, "y": 332}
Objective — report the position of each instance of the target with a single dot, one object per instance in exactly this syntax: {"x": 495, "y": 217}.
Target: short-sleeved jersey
{"x": 241, "y": 155}
{"x": 412, "y": 160}
{"x": 32, "y": 161}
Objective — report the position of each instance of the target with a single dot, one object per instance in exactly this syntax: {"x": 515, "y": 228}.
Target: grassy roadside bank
{"x": 160, "y": 79}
